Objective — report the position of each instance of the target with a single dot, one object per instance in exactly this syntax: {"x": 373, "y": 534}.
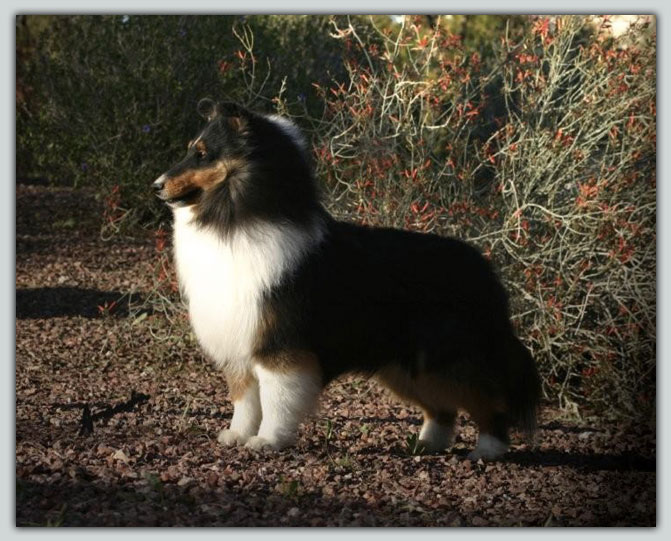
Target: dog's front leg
{"x": 288, "y": 392}
{"x": 244, "y": 393}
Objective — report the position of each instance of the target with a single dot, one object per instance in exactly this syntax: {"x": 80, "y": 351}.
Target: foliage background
{"x": 532, "y": 137}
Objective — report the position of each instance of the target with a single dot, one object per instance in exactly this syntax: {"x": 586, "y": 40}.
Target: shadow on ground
{"x": 45, "y": 302}
{"x": 150, "y": 502}
{"x": 583, "y": 461}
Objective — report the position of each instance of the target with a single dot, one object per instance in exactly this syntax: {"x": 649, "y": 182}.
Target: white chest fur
{"x": 224, "y": 280}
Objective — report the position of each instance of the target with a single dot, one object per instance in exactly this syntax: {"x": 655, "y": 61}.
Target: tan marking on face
{"x": 236, "y": 123}
{"x": 205, "y": 179}
{"x": 200, "y": 146}
{"x": 193, "y": 141}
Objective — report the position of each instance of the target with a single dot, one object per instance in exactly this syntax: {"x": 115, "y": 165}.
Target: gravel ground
{"x": 116, "y": 428}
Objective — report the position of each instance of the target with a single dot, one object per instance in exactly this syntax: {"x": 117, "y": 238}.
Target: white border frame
{"x": 8, "y": 235}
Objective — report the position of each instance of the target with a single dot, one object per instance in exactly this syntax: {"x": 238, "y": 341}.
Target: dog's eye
{"x": 200, "y": 154}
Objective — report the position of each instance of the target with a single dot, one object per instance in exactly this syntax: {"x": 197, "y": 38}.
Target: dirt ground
{"x": 115, "y": 427}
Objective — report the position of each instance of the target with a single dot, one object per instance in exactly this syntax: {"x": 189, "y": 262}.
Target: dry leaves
{"x": 159, "y": 463}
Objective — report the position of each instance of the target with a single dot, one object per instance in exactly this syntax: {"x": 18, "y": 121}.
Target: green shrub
{"x": 544, "y": 156}
{"x": 576, "y": 169}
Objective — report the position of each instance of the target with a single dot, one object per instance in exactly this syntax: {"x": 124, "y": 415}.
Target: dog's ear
{"x": 207, "y": 108}
{"x": 236, "y": 116}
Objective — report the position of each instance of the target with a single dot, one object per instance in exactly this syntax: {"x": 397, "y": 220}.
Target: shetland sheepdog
{"x": 284, "y": 298}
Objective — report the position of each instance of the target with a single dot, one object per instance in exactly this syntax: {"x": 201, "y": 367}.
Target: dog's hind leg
{"x": 437, "y": 432}
{"x": 493, "y": 439}
{"x": 431, "y": 393}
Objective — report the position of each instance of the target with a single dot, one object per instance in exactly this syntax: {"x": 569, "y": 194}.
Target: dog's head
{"x": 242, "y": 165}
{"x": 214, "y": 156}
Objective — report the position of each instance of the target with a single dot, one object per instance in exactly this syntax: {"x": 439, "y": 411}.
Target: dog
{"x": 284, "y": 298}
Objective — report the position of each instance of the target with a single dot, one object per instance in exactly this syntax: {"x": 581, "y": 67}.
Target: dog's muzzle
{"x": 158, "y": 185}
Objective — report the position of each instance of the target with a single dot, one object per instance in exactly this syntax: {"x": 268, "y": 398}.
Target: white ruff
{"x": 224, "y": 281}
{"x": 290, "y": 129}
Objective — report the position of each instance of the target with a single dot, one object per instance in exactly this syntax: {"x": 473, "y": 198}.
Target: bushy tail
{"x": 524, "y": 386}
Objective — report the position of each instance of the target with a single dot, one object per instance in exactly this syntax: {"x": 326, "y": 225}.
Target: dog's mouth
{"x": 187, "y": 198}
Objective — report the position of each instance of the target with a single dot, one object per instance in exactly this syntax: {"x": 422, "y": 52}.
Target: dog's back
{"x": 368, "y": 297}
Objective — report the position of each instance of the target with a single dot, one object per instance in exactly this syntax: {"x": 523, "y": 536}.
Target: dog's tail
{"x": 524, "y": 386}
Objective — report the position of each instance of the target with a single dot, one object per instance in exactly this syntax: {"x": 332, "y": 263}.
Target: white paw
{"x": 258, "y": 442}
{"x": 488, "y": 448}
{"x": 435, "y": 437}
{"x": 476, "y": 455}
{"x": 431, "y": 446}
{"x": 229, "y": 438}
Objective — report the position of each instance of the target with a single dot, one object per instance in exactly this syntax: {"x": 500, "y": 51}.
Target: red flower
{"x": 224, "y": 66}
{"x": 542, "y": 27}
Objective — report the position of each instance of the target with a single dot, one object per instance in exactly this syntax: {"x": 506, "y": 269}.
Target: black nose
{"x": 157, "y": 185}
